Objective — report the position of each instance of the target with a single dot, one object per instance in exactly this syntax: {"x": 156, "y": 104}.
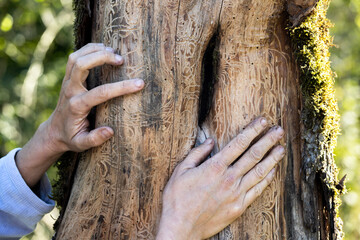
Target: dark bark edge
{"x": 311, "y": 41}
{"x": 68, "y": 162}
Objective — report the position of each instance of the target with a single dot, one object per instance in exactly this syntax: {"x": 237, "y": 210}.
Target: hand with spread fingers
{"x": 202, "y": 198}
{"x": 67, "y": 127}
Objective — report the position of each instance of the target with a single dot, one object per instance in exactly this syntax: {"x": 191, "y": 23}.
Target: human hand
{"x": 67, "y": 129}
{"x": 68, "y": 124}
{"x": 201, "y": 199}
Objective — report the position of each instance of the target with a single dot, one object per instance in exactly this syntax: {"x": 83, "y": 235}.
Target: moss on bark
{"x": 311, "y": 41}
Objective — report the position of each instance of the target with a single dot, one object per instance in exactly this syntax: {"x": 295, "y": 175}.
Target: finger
{"x": 106, "y": 92}
{"x": 241, "y": 142}
{"x": 197, "y": 155}
{"x": 83, "y": 64}
{"x": 258, "y": 150}
{"x": 261, "y": 170}
{"x": 94, "y": 138}
{"x": 87, "y": 49}
{"x": 256, "y": 191}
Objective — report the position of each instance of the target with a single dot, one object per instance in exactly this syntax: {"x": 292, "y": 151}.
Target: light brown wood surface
{"x": 118, "y": 187}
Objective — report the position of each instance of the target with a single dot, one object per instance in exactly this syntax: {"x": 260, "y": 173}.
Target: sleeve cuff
{"x": 42, "y": 203}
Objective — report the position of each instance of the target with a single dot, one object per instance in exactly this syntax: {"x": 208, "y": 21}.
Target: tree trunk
{"x": 210, "y": 67}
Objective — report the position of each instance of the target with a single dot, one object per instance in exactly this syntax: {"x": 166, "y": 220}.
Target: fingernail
{"x": 263, "y": 122}
{"x": 106, "y": 133}
{"x": 209, "y": 141}
{"x": 139, "y": 83}
{"x": 109, "y": 49}
{"x": 118, "y": 58}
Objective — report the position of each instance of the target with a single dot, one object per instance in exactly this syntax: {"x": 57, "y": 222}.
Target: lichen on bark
{"x": 311, "y": 41}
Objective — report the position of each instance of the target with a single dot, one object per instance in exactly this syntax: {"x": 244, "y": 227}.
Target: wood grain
{"x": 118, "y": 187}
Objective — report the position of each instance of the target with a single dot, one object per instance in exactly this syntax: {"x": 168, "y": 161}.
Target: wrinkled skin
{"x": 201, "y": 197}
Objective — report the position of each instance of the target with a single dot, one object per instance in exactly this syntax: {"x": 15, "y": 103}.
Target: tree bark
{"x": 210, "y": 67}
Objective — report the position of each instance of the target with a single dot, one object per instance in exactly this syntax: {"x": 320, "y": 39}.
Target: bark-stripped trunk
{"x": 210, "y": 67}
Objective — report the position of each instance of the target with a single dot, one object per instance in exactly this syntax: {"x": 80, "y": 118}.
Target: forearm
{"x": 36, "y": 157}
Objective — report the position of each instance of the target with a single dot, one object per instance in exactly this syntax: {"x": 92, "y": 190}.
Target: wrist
{"x": 38, "y": 154}
{"x": 172, "y": 228}
{"x": 170, "y": 233}
{"x": 50, "y": 137}
{"x": 163, "y": 234}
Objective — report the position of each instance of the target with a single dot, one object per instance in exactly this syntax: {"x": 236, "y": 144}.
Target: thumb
{"x": 94, "y": 138}
{"x": 198, "y": 154}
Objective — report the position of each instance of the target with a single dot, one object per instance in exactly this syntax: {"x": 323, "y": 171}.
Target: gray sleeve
{"x": 20, "y": 207}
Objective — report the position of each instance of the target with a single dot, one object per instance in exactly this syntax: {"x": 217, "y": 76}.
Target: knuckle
{"x": 79, "y": 65}
{"x": 260, "y": 172}
{"x": 217, "y": 167}
{"x": 72, "y": 58}
{"x": 242, "y": 141}
{"x": 122, "y": 84}
{"x": 196, "y": 151}
{"x": 257, "y": 190}
{"x": 93, "y": 47}
{"x": 256, "y": 128}
{"x": 83, "y": 104}
{"x": 96, "y": 46}
{"x": 273, "y": 136}
{"x": 92, "y": 140}
{"x": 106, "y": 54}
{"x": 67, "y": 90}
{"x": 73, "y": 105}
{"x": 255, "y": 153}
{"x": 68, "y": 93}
{"x": 274, "y": 159}
{"x": 268, "y": 180}
{"x": 104, "y": 92}
{"x": 237, "y": 210}
{"x": 229, "y": 181}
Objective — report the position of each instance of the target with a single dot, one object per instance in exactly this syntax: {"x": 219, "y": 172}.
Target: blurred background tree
{"x": 36, "y": 38}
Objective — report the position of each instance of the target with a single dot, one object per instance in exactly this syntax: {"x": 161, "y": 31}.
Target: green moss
{"x": 311, "y": 41}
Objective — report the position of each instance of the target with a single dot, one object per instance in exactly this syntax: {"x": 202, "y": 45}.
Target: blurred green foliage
{"x": 22, "y": 26}
{"x": 35, "y": 40}
{"x": 37, "y": 35}
{"x": 345, "y": 14}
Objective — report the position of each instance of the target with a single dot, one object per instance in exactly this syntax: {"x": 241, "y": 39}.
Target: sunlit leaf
{"x": 7, "y": 23}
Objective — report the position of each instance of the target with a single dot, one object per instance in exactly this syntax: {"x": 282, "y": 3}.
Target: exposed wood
{"x": 118, "y": 187}
{"x": 257, "y": 76}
